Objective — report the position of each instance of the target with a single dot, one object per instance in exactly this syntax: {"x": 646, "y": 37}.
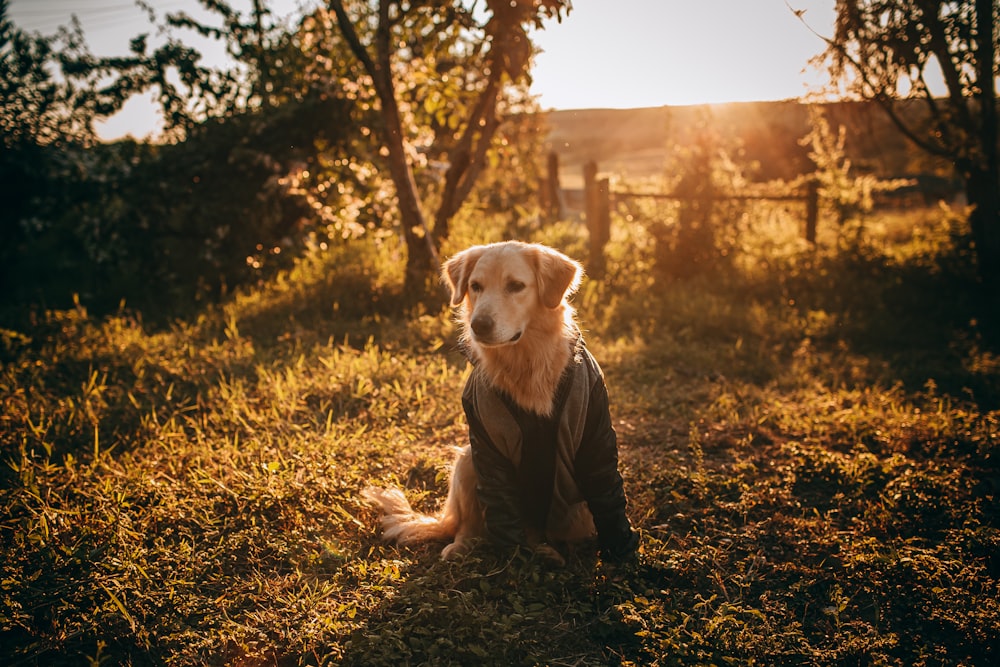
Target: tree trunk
{"x": 468, "y": 156}
{"x": 981, "y": 189}
{"x": 421, "y": 254}
{"x": 984, "y": 181}
{"x": 421, "y": 261}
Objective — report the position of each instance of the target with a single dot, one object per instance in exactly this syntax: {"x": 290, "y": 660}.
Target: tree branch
{"x": 351, "y": 37}
{"x": 877, "y": 90}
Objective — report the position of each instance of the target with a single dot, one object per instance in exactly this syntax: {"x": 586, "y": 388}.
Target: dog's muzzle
{"x": 484, "y": 330}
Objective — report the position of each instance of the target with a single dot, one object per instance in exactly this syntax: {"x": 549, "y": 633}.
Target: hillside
{"x": 638, "y": 143}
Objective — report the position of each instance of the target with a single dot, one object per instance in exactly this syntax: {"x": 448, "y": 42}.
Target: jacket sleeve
{"x": 599, "y": 480}
{"x": 497, "y": 481}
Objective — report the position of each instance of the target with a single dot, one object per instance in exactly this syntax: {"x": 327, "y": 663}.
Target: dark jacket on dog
{"x": 532, "y": 469}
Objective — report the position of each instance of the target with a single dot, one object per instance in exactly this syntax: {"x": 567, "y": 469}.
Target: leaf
{"x": 121, "y": 607}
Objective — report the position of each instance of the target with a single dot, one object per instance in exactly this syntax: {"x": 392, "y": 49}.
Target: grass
{"x": 810, "y": 447}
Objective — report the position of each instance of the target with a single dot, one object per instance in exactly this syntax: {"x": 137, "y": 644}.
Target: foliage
{"x": 194, "y": 218}
{"x": 265, "y": 159}
{"x": 263, "y": 74}
{"x": 850, "y": 194}
{"x": 45, "y": 125}
{"x": 35, "y": 106}
{"x": 439, "y": 63}
{"x": 894, "y": 45}
{"x": 705, "y": 226}
{"x": 889, "y": 51}
{"x": 809, "y": 445}
{"x": 634, "y": 143}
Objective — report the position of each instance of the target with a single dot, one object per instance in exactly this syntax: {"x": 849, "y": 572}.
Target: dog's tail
{"x": 404, "y": 525}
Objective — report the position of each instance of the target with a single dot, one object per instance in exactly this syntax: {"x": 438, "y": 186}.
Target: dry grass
{"x": 810, "y": 448}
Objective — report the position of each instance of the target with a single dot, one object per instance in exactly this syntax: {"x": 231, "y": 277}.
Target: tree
{"x": 196, "y": 216}
{"x": 888, "y": 51}
{"x": 46, "y": 127}
{"x": 37, "y": 105}
{"x": 482, "y": 58}
{"x": 188, "y": 92}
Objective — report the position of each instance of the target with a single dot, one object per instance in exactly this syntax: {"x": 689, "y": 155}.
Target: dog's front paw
{"x": 455, "y": 550}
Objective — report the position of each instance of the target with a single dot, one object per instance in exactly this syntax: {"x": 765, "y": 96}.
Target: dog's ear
{"x": 558, "y": 276}
{"x": 456, "y": 272}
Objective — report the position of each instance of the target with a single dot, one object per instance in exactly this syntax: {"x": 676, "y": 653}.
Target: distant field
{"x": 639, "y": 143}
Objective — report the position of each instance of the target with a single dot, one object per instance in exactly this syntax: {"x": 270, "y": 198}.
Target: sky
{"x": 605, "y": 54}
{"x": 646, "y": 53}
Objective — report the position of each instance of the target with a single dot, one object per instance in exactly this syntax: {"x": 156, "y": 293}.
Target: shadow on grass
{"x": 923, "y": 319}
{"x": 494, "y": 609}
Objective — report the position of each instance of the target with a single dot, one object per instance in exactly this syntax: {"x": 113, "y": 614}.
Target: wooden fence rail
{"x": 629, "y": 194}
{"x": 599, "y": 200}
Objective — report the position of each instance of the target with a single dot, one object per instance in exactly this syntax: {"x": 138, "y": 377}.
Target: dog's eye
{"x": 475, "y": 287}
{"x": 515, "y": 286}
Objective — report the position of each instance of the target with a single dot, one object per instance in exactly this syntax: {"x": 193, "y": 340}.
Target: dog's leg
{"x": 463, "y": 505}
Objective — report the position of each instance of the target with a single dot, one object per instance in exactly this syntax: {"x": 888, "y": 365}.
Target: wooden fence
{"x": 599, "y": 200}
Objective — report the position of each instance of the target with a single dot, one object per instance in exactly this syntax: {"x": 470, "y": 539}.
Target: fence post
{"x": 552, "y": 195}
{"x": 812, "y": 210}
{"x": 597, "y": 202}
{"x": 589, "y": 192}
{"x": 600, "y": 232}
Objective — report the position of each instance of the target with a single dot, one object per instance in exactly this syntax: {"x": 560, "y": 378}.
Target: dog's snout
{"x": 482, "y": 325}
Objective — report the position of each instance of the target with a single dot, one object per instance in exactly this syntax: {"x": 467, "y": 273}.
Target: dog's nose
{"x": 482, "y": 325}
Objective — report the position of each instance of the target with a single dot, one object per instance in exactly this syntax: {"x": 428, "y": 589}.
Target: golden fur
{"x": 519, "y": 329}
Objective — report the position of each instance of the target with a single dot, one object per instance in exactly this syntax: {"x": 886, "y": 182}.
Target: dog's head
{"x": 506, "y": 288}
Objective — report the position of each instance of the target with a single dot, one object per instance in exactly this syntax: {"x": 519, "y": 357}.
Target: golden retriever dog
{"x": 541, "y": 468}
